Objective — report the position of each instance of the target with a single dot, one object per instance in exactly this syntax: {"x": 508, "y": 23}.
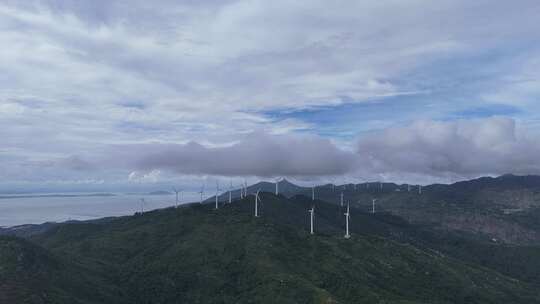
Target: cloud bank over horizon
{"x": 115, "y": 93}
{"x": 424, "y": 150}
{"x": 454, "y": 150}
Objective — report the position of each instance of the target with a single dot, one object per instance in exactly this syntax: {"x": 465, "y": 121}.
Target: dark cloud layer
{"x": 460, "y": 148}
{"x": 423, "y": 151}
{"x": 456, "y": 149}
{"x": 258, "y": 155}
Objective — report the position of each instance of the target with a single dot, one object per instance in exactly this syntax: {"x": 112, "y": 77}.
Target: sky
{"x": 121, "y": 95}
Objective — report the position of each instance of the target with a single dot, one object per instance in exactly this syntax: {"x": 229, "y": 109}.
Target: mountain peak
{"x": 286, "y": 182}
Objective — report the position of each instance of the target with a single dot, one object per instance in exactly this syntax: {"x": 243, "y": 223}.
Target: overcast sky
{"x": 117, "y": 94}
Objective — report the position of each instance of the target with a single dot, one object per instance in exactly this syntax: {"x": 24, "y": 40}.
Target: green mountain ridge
{"x": 195, "y": 254}
{"x": 504, "y": 209}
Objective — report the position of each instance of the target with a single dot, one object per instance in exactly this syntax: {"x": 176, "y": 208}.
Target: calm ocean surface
{"x": 37, "y": 210}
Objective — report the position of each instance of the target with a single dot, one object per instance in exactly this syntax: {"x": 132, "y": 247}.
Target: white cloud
{"x": 11, "y": 109}
{"x": 423, "y": 150}
{"x": 144, "y": 177}
{"x": 80, "y": 76}
{"x": 519, "y": 85}
{"x": 458, "y": 149}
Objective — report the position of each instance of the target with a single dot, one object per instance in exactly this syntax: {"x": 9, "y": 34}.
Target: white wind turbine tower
{"x": 217, "y": 194}
{"x": 311, "y": 213}
{"x": 277, "y": 185}
{"x": 202, "y": 193}
{"x": 257, "y": 203}
{"x": 230, "y": 193}
{"x": 347, "y": 217}
{"x": 408, "y": 188}
{"x": 176, "y": 191}
{"x": 142, "y": 205}
{"x": 313, "y": 193}
{"x": 373, "y": 206}
{"x": 241, "y": 191}
{"x": 341, "y": 198}
{"x": 419, "y": 189}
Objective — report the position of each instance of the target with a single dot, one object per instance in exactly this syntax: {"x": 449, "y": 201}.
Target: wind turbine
{"x": 257, "y": 203}
{"x": 408, "y": 188}
{"x": 277, "y": 185}
{"x": 419, "y": 189}
{"x": 217, "y": 194}
{"x": 341, "y": 198}
{"x": 347, "y": 216}
{"x": 201, "y": 193}
{"x": 381, "y": 184}
{"x": 142, "y": 205}
{"x": 241, "y": 191}
{"x": 311, "y": 212}
{"x": 373, "y": 206}
{"x": 230, "y": 193}
{"x": 176, "y": 191}
{"x": 313, "y": 193}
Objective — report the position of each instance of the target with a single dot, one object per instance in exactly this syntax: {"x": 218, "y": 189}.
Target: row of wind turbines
{"x": 244, "y": 190}
{"x": 257, "y": 200}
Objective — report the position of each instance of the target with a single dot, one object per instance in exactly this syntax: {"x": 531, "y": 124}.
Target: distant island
{"x": 159, "y": 193}
{"x": 56, "y": 195}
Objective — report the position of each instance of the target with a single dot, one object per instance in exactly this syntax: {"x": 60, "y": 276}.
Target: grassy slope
{"x": 198, "y": 255}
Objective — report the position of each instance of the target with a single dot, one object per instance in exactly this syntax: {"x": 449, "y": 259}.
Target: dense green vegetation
{"x": 195, "y": 254}
{"x": 505, "y": 208}
{"x": 30, "y": 274}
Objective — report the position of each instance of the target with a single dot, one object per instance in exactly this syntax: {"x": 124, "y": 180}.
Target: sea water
{"x": 20, "y": 209}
